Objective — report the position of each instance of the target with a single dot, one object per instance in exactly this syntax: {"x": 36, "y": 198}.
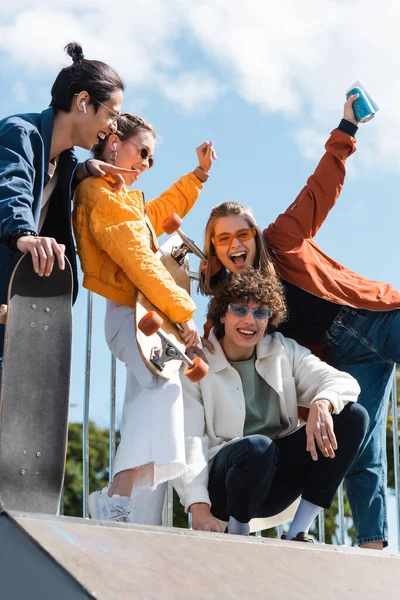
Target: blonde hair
{"x": 210, "y": 280}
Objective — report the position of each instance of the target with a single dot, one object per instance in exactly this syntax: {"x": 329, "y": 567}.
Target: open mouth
{"x": 246, "y": 332}
{"x": 101, "y": 135}
{"x": 239, "y": 258}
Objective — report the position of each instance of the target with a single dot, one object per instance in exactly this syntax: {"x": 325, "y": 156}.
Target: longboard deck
{"x": 35, "y": 388}
{"x": 143, "y": 306}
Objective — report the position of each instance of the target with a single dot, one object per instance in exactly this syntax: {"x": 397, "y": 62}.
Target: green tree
{"x": 98, "y": 466}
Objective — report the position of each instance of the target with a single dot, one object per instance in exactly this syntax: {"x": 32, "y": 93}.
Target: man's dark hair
{"x": 251, "y": 286}
{"x": 96, "y": 78}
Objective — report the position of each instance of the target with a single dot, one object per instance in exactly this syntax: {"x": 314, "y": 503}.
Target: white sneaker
{"x": 104, "y": 508}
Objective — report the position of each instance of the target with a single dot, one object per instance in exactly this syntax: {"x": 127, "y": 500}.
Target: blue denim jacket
{"x": 25, "y": 142}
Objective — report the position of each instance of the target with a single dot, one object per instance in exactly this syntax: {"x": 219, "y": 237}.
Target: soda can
{"x": 365, "y": 106}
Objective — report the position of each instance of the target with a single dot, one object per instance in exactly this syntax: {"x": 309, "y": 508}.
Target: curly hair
{"x": 251, "y": 286}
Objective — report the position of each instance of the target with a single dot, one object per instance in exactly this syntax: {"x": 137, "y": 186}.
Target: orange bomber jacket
{"x": 299, "y": 259}
{"x": 116, "y": 236}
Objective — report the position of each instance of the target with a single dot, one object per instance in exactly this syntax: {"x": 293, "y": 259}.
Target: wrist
{"x": 201, "y": 174}
{"x": 324, "y": 402}
{"x": 16, "y": 235}
{"x": 348, "y": 126}
{"x": 86, "y": 166}
{"x": 199, "y": 507}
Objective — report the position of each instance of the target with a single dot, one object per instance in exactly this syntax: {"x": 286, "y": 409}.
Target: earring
{"x": 114, "y": 153}
{"x": 84, "y": 107}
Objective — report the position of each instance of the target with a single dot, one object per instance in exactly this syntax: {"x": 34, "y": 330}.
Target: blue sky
{"x": 263, "y": 81}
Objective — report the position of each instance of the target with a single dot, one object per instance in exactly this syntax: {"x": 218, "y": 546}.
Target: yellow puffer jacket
{"x": 116, "y": 235}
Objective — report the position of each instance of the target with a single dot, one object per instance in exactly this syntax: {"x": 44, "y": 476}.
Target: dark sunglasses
{"x": 260, "y": 314}
{"x": 144, "y": 153}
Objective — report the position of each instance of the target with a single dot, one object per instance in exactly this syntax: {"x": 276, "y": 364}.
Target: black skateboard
{"x": 35, "y": 388}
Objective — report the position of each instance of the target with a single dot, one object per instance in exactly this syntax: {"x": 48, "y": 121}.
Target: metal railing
{"x": 168, "y": 505}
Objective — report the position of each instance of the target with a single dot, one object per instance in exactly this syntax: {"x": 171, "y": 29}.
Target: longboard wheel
{"x": 3, "y": 313}
{"x": 150, "y": 323}
{"x": 198, "y": 371}
{"x": 171, "y": 224}
{"x": 303, "y": 413}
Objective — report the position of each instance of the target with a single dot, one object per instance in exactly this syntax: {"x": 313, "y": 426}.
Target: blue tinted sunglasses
{"x": 241, "y": 310}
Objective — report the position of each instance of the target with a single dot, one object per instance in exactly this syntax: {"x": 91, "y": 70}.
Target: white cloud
{"x": 20, "y": 92}
{"x": 292, "y": 58}
{"x": 193, "y": 91}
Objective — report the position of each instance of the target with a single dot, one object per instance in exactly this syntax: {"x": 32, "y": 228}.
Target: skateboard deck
{"x": 150, "y": 346}
{"x": 194, "y": 369}
{"x": 35, "y": 388}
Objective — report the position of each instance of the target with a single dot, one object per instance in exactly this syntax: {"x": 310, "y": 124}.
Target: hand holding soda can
{"x": 365, "y": 106}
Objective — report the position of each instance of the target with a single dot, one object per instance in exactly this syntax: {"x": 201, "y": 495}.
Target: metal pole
{"x": 111, "y": 451}
{"x": 342, "y": 532}
{"x": 321, "y": 526}
{"x": 395, "y": 427}
{"x": 85, "y": 424}
{"x": 61, "y": 507}
{"x": 168, "y": 509}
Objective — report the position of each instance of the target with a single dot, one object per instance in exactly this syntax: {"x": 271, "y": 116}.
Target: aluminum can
{"x": 365, "y": 106}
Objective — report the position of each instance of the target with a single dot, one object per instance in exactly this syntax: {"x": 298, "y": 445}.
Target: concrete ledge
{"x": 120, "y": 561}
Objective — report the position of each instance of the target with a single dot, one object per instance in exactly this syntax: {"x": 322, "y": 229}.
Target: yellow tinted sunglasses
{"x": 225, "y": 239}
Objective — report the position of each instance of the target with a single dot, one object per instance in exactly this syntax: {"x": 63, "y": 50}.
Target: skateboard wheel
{"x": 198, "y": 371}
{"x": 150, "y": 323}
{"x": 171, "y": 224}
{"x": 3, "y": 313}
{"x": 303, "y": 413}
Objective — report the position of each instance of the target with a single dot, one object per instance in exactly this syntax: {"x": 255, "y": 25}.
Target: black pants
{"x": 257, "y": 477}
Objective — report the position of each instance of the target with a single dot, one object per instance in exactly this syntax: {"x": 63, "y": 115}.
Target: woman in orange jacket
{"x": 116, "y": 236}
{"x": 350, "y": 321}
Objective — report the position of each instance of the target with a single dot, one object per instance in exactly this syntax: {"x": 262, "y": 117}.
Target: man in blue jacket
{"x": 38, "y": 167}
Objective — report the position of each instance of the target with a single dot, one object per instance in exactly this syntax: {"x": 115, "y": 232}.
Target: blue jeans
{"x": 257, "y": 477}
{"x": 366, "y": 344}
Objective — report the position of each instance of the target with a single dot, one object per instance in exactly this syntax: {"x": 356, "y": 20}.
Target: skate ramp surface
{"x": 121, "y": 562}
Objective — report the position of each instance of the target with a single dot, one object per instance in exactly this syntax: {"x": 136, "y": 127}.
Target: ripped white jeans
{"x": 152, "y": 429}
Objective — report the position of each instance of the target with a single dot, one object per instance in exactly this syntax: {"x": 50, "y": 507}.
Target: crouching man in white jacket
{"x": 248, "y": 457}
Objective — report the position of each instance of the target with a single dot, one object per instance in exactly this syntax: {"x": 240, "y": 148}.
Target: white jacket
{"x": 214, "y": 408}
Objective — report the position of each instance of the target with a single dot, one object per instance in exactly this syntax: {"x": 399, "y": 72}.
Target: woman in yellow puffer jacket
{"x": 116, "y": 235}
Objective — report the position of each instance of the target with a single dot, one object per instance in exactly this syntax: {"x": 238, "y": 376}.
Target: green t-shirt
{"x": 262, "y": 401}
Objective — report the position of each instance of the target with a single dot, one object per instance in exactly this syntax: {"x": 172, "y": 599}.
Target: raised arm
{"x": 306, "y": 214}
{"x": 182, "y": 195}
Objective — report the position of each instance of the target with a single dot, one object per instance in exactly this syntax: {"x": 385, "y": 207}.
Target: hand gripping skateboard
{"x": 152, "y": 324}
{"x": 159, "y": 343}
{"x": 35, "y": 388}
